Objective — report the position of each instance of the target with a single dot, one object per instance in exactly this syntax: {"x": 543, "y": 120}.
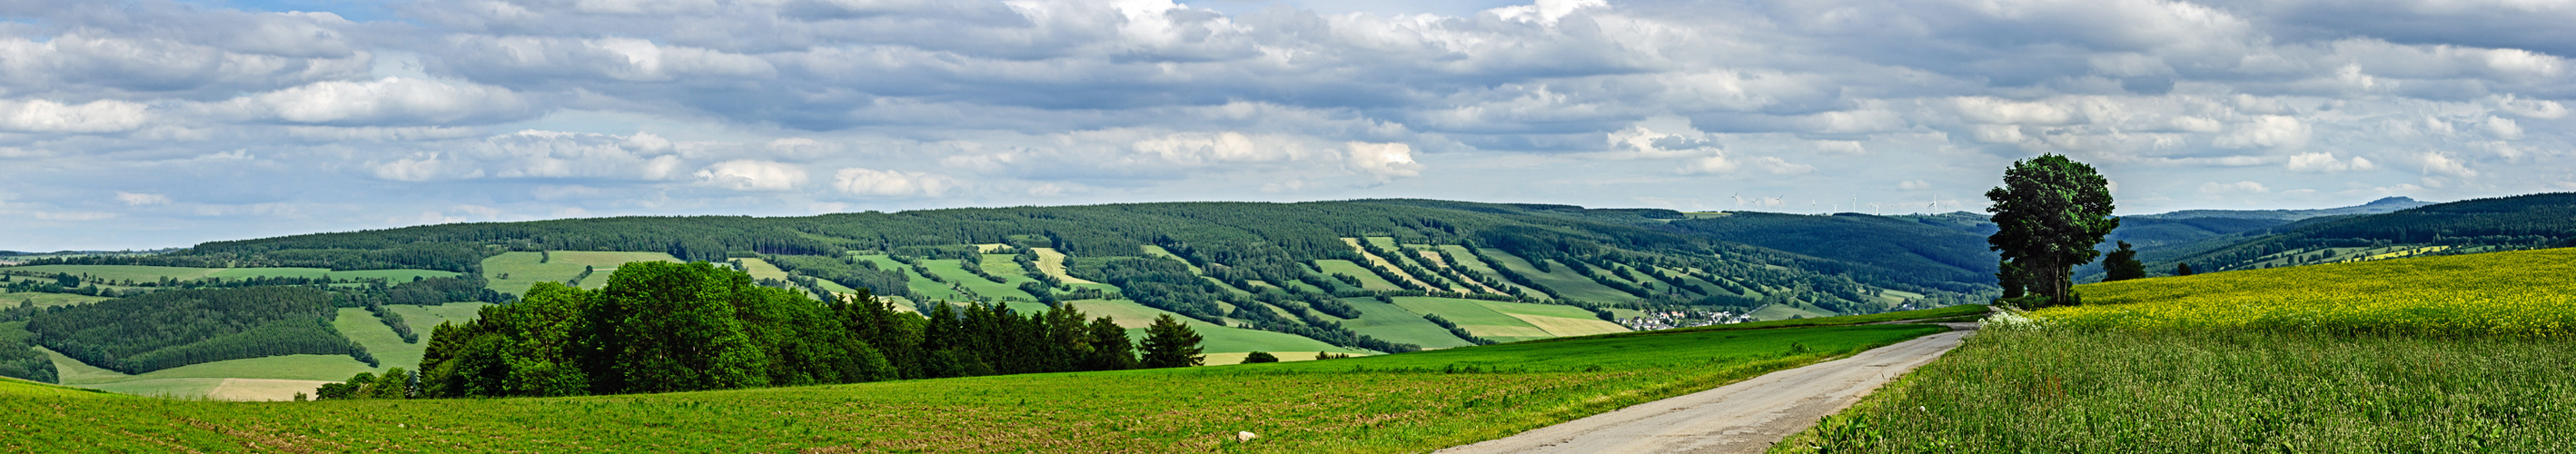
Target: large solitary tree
{"x": 2050, "y": 213}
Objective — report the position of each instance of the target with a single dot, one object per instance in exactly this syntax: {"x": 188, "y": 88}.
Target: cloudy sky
{"x": 154, "y": 124}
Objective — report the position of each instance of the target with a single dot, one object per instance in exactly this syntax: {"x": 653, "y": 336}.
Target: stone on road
{"x": 1744, "y": 417}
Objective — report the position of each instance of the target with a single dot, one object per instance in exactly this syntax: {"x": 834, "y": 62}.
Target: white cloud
{"x": 43, "y": 115}
{"x": 2438, "y": 163}
{"x": 1913, "y": 185}
{"x": 1384, "y": 160}
{"x": 2327, "y": 163}
{"x": 2268, "y": 131}
{"x": 72, "y": 215}
{"x": 140, "y": 199}
{"x": 749, "y": 175}
{"x": 2241, "y": 187}
{"x": 891, "y": 183}
{"x": 391, "y": 100}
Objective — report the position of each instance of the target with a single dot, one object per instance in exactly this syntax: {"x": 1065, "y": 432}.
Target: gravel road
{"x": 1745, "y": 417}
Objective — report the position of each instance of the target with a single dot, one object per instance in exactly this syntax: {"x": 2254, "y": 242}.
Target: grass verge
{"x": 1393, "y": 403}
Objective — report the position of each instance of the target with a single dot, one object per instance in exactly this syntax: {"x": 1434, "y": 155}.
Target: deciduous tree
{"x": 2050, "y": 213}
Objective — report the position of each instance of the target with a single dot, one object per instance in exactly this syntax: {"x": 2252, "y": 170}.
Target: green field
{"x": 922, "y": 288}
{"x": 368, "y": 331}
{"x": 1411, "y": 402}
{"x": 1559, "y": 321}
{"x": 1467, "y": 259}
{"x": 513, "y": 272}
{"x": 47, "y": 299}
{"x": 1787, "y": 312}
{"x": 1394, "y": 324}
{"x": 1475, "y": 317}
{"x": 954, "y": 271}
{"x": 1565, "y": 281}
{"x": 762, "y": 269}
{"x": 268, "y": 378}
{"x": 423, "y": 318}
{"x": 1368, "y": 280}
{"x": 2438, "y": 354}
{"x": 1219, "y": 339}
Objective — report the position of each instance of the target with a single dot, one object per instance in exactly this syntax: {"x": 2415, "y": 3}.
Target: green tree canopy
{"x": 1168, "y": 343}
{"x": 2123, "y": 265}
{"x": 2049, "y": 214}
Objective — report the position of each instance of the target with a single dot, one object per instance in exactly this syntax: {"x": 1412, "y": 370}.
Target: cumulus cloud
{"x": 1384, "y": 160}
{"x": 2241, "y": 187}
{"x": 749, "y": 175}
{"x": 891, "y": 183}
{"x": 1033, "y": 102}
{"x": 391, "y": 100}
{"x": 2327, "y": 163}
{"x": 41, "y": 115}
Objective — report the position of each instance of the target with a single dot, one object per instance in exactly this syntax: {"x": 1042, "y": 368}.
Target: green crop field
{"x": 208, "y": 379}
{"x": 1219, "y": 339}
{"x": 1368, "y": 280}
{"x": 513, "y": 272}
{"x": 47, "y": 299}
{"x": 1467, "y": 259}
{"x": 368, "y": 331}
{"x": 1786, "y": 312}
{"x": 1565, "y": 281}
{"x": 954, "y": 271}
{"x": 761, "y": 269}
{"x": 2462, "y": 353}
{"x": 1393, "y": 403}
{"x": 424, "y": 318}
{"x": 1475, "y": 317}
{"x": 922, "y": 288}
{"x": 1395, "y": 324}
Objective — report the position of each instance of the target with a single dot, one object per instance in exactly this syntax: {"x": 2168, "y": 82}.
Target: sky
{"x": 132, "y": 125}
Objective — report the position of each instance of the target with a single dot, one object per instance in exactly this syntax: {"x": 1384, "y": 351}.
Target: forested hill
{"x": 2383, "y": 205}
{"x": 2482, "y": 225}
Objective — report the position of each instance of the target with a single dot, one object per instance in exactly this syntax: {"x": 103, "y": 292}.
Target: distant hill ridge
{"x": 2383, "y": 205}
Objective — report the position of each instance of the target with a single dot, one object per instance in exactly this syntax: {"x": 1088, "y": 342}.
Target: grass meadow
{"x": 2462, "y": 353}
{"x": 1394, "y": 403}
{"x": 1564, "y": 281}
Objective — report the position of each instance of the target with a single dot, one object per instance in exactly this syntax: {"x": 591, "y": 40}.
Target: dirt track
{"x": 1745, "y": 417}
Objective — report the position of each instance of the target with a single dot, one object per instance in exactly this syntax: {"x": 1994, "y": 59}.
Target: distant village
{"x": 1683, "y": 319}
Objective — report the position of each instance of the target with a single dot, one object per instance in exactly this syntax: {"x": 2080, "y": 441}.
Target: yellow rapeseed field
{"x": 2525, "y": 294}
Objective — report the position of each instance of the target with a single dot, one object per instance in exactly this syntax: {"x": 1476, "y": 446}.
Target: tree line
{"x": 175, "y": 328}
{"x": 663, "y": 327}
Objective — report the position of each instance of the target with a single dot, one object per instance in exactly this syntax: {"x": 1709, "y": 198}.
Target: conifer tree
{"x": 1168, "y": 343}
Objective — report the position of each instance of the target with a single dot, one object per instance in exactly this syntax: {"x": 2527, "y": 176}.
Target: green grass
{"x": 954, "y": 271}
{"x": 1564, "y": 280}
{"x": 47, "y": 299}
{"x": 423, "y": 318}
{"x": 762, "y": 269}
{"x": 1395, "y": 324}
{"x": 1219, "y": 339}
{"x": 283, "y": 367}
{"x": 368, "y": 331}
{"x": 1411, "y": 402}
{"x": 523, "y": 270}
{"x": 2230, "y": 391}
{"x": 1476, "y": 318}
{"x": 922, "y": 288}
{"x": 1788, "y": 312}
{"x": 1467, "y": 259}
{"x": 1559, "y": 321}
{"x": 1368, "y": 280}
